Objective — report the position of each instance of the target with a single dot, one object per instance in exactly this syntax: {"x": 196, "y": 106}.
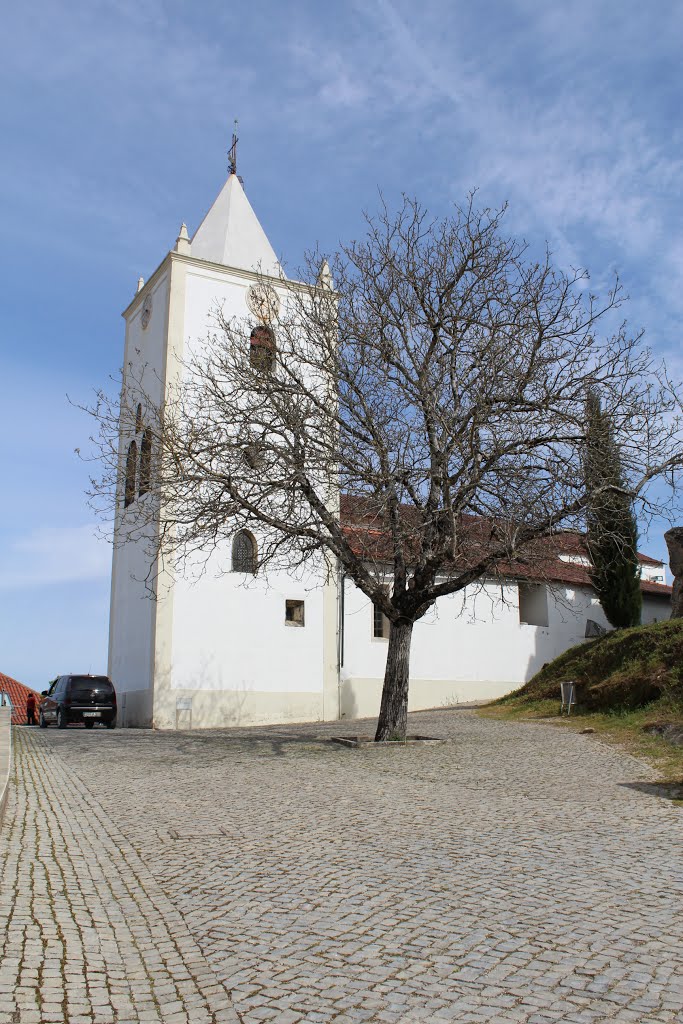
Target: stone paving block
{"x": 463, "y": 882}
{"x": 59, "y": 957}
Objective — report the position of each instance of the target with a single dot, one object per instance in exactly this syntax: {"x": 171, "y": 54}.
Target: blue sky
{"x": 115, "y": 122}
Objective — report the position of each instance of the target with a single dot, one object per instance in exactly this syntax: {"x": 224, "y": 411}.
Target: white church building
{"x": 239, "y": 649}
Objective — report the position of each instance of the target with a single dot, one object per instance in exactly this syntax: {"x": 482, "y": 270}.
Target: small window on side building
{"x": 533, "y": 604}
{"x": 294, "y": 613}
{"x": 380, "y": 623}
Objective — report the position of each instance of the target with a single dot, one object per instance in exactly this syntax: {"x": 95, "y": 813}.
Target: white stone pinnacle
{"x": 325, "y": 275}
{"x": 182, "y": 242}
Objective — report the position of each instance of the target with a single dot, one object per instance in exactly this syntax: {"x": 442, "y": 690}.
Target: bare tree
{"x": 440, "y": 385}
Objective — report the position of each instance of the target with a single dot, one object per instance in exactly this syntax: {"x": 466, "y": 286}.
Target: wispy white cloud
{"x": 556, "y": 110}
{"x": 51, "y": 555}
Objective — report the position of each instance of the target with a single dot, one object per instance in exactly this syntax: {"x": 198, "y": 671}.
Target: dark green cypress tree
{"x": 612, "y": 532}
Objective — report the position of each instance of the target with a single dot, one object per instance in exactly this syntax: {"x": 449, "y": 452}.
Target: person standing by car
{"x": 30, "y": 710}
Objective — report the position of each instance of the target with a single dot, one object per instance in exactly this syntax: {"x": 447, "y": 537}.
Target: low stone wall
{"x": 5, "y": 754}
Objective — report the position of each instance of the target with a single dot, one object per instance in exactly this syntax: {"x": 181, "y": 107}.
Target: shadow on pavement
{"x": 262, "y": 745}
{"x": 667, "y": 790}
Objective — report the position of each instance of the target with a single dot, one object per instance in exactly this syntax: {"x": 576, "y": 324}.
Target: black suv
{"x": 86, "y": 699}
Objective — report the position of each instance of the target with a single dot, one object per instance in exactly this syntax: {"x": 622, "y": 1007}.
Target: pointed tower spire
{"x": 325, "y": 276}
{"x": 231, "y": 234}
{"x": 141, "y": 284}
{"x": 182, "y": 242}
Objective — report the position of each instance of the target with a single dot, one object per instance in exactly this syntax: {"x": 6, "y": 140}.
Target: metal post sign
{"x": 568, "y": 696}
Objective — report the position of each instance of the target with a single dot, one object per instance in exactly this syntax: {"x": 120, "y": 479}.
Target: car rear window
{"x": 83, "y": 686}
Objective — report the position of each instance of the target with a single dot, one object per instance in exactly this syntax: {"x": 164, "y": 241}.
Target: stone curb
{"x": 370, "y": 743}
{"x": 5, "y": 755}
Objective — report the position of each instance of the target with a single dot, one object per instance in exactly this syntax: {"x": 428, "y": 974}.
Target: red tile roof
{"x": 369, "y": 538}
{"x": 18, "y": 694}
{"x": 567, "y": 572}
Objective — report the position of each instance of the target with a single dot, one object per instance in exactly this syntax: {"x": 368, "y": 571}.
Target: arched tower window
{"x": 145, "y": 463}
{"x": 138, "y": 419}
{"x": 262, "y": 348}
{"x": 131, "y": 467}
{"x": 244, "y": 552}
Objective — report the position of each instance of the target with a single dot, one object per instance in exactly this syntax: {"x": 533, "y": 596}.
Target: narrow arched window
{"x": 131, "y": 467}
{"x": 138, "y": 419}
{"x": 262, "y": 348}
{"x": 145, "y": 463}
{"x": 244, "y": 552}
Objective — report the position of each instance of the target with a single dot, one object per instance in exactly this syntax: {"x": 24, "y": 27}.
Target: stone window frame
{"x": 130, "y": 474}
{"x": 381, "y": 625}
{"x": 241, "y": 561}
{"x": 262, "y": 348}
{"x": 295, "y": 612}
{"x": 145, "y": 474}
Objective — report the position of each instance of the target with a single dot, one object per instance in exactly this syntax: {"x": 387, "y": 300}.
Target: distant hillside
{"x": 624, "y": 669}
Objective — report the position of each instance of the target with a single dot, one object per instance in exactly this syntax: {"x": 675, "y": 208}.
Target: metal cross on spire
{"x": 232, "y": 152}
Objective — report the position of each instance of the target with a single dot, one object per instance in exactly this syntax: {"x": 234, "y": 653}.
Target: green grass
{"x": 624, "y": 681}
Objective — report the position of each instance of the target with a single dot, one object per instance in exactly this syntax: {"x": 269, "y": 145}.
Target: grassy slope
{"x": 625, "y": 680}
{"x": 626, "y": 669}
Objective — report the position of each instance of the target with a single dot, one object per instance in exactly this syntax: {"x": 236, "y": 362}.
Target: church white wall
{"x": 233, "y": 658}
{"x": 207, "y": 288}
{"x": 131, "y": 636}
{"x": 466, "y": 648}
{"x": 462, "y": 650}
{"x": 236, "y": 659}
{"x": 146, "y": 347}
{"x": 132, "y": 611}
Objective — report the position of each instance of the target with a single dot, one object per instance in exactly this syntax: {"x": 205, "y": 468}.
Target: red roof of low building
{"x": 370, "y": 539}
{"x": 18, "y": 694}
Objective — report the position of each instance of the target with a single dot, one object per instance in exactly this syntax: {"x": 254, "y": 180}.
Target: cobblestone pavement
{"x": 86, "y": 934}
{"x": 518, "y": 873}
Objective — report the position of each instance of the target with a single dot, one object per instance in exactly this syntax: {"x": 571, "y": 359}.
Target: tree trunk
{"x": 393, "y": 713}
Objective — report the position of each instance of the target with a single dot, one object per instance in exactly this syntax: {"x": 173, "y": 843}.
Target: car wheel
{"x": 89, "y": 724}
{"x": 41, "y": 721}
{"x": 111, "y": 724}
{"x": 61, "y": 719}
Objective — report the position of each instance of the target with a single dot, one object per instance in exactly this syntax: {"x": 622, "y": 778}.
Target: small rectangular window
{"x": 380, "y": 623}
{"x": 533, "y": 604}
{"x": 294, "y": 613}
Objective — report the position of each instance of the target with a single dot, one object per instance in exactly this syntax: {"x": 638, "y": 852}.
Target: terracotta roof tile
{"x": 369, "y": 538}
{"x": 18, "y": 694}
